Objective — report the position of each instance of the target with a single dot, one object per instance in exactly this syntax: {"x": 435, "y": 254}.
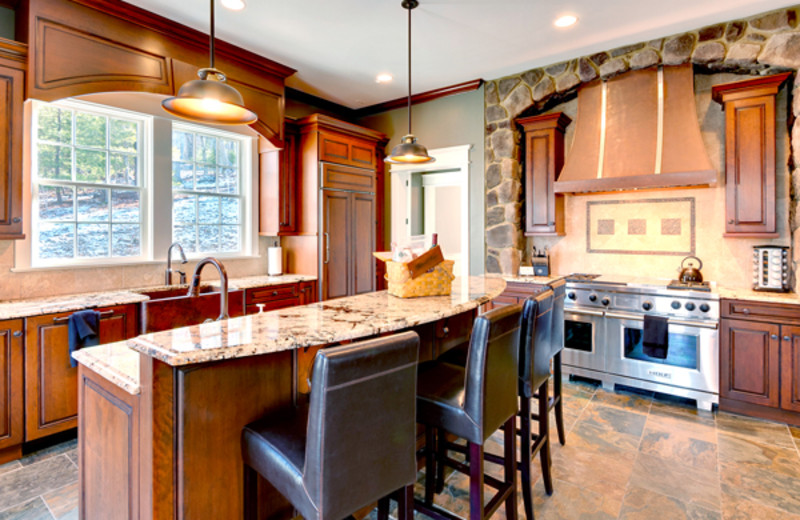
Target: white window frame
{"x": 144, "y": 164}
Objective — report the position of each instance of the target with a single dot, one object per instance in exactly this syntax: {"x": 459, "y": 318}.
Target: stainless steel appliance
{"x": 603, "y": 332}
{"x": 771, "y": 268}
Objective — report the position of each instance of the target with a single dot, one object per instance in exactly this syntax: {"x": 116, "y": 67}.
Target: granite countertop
{"x": 758, "y": 296}
{"x": 539, "y": 280}
{"x": 353, "y": 317}
{"x": 114, "y": 361}
{"x": 13, "y": 309}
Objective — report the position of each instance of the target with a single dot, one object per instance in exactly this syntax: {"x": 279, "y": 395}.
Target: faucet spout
{"x": 170, "y": 270}
{"x": 194, "y": 287}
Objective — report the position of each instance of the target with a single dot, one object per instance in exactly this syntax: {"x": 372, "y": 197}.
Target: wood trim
{"x": 321, "y": 122}
{"x": 186, "y": 35}
{"x": 13, "y": 50}
{"x": 423, "y": 97}
{"x": 316, "y": 101}
{"x": 664, "y": 180}
{"x": 759, "y": 86}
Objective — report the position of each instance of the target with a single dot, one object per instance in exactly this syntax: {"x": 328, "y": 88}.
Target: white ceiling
{"x": 338, "y": 47}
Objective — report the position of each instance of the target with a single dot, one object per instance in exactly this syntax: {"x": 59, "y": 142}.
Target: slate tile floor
{"x": 628, "y": 456}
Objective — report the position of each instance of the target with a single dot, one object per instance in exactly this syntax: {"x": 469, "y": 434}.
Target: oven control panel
{"x": 676, "y": 304}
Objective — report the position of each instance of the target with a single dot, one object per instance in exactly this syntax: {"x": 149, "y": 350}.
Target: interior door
{"x": 363, "y": 242}
{"x": 336, "y": 244}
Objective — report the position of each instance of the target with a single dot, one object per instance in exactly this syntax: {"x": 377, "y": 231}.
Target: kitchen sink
{"x": 170, "y": 308}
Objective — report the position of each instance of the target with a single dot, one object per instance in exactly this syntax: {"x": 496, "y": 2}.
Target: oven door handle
{"x": 585, "y": 312}
{"x": 672, "y": 321}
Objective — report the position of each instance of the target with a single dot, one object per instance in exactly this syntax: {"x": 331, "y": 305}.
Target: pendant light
{"x": 209, "y": 99}
{"x": 409, "y": 151}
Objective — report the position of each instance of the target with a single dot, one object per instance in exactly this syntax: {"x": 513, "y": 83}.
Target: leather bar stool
{"x": 472, "y": 402}
{"x": 355, "y": 441}
{"x": 555, "y": 402}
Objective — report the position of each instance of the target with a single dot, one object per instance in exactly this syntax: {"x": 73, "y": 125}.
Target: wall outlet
{"x": 526, "y": 270}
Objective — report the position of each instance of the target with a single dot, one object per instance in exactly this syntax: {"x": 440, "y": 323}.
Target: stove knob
{"x": 647, "y": 306}
{"x": 689, "y": 306}
{"x": 605, "y": 301}
{"x": 704, "y": 307}
{"x": 677, "y": 305}
{"x": 571, "y": 296}
{"x": 592, "y": 297}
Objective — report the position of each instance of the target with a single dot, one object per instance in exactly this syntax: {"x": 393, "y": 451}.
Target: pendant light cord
{"x": 409, "y": 68}
{"x": 211, "y": 32}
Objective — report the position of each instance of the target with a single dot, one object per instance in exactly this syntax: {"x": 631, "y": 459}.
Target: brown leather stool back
{"x": 490, "y": 395}
{"x": 542, "y": 339}
{"x": 361, "y": 434}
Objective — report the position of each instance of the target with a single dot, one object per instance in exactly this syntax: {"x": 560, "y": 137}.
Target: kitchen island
{"x": 161, "y": 415}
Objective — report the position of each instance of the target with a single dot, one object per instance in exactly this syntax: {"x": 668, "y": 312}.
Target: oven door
{"x": 584, "y": 330}
{"x": 692, "y": 356}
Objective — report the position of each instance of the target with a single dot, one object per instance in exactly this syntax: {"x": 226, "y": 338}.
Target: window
{"x": 87, "y": 185}
{"x": 206, "y": 190}
{"x": 107, "y": 187}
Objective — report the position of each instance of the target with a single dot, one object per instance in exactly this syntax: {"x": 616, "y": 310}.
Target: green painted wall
{"x": 6, "y": 23}
{"x": 450, "y": 121}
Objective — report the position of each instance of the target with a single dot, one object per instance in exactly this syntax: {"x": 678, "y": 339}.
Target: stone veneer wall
{"x": 764, "y": 44}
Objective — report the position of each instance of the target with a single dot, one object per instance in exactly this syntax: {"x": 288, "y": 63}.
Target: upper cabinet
{"x": 544, "y": 158}
{"x": 750, "y": 201}
{"x": 12, "y": 88}
{"x": 278, "y": 185}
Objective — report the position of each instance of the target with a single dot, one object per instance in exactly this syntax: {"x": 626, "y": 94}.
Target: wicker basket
{"x": 436, "y": 282}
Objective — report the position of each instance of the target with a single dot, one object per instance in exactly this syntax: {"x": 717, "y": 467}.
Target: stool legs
{"x": 558, "y": 399}
{"x": 405, "y": 504}
{"x": 430, "y": 464}
{"x": 250, "y": 484}
{"x": 544, "y": 434}
{"x": 525, "y": 459}
{"x": 476, "y": 481}
{"x": 510, "y": 466}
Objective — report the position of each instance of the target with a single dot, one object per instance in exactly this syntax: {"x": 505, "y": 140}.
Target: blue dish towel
{"x": 84, "y": 331}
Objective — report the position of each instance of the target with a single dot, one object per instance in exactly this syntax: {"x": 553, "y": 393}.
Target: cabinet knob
{"x": 787, "y": 338}
{"x": 17, "y": 333}
{"x": 745, "y": 311}
{"x": 16, "y": 220}
{"x": 774, "y": 336}
{"x": 731, "y": 221}
{"x": 274, "y": 293}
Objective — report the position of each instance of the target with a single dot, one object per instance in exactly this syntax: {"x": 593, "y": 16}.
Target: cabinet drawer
{"x": 271, "y": 305}
{"x": 347, "y": 178}
{"x": 271, "y": 293}
{"x": 773, "y": 312}
{"x": 346, "y": 150}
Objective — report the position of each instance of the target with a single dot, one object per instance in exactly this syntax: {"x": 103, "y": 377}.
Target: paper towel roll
{"x": 274, "y": 261}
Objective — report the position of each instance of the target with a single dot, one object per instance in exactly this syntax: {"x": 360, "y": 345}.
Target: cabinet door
{"x": 342, "y": 149}
{"x": 749, "y": 362}
{"x": 11, "y": 384}
{"x": 363, "y": 240}
{"x": 51, "y": 384}
{"x": 287, "y": 204}
{"x": 336, "y": 244}
{"x": 11, "y": 86}
{"x": 308, "y": 292}
{"x": 790, "y": 368}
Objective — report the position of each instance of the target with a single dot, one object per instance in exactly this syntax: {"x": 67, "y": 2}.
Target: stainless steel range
{"x": 603, "y": 333}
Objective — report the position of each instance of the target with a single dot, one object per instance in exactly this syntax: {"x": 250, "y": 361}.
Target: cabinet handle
{"x": 327, "y": 247}
{"x": 16, "y": 220}
{"x": 787, "y": 338}
{"x": 773, "y": 336}
{"x": 17, "y": 333}
{"x": 64, "y": 319}
{"x": 745, "y": 311}
{"x": 731, "y": 221}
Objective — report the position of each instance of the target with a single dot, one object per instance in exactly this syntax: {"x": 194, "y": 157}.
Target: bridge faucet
{"x": 194, "y": 287}
{"x": 170, "y": 270}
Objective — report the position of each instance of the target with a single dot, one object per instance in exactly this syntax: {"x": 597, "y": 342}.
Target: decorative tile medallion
{"x": 646, "y": 227}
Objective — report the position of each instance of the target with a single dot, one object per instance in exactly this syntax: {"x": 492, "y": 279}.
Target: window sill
{"x": 192, "y": 259}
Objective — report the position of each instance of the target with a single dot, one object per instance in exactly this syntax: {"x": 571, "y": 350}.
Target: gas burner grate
{"x": 689, "y": 286}
{"x": 581, "y": 277}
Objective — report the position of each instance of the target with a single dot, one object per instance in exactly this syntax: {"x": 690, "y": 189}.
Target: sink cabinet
{"x": 275, "y": 297}
{"x": 51, "y": 384}
{"x": 12, "y": 386}
{"x": 760, "y": 360}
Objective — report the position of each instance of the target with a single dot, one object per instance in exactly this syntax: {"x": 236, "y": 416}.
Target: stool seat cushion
{"x": 440, "y": 400}
{"x": 276, "y": 446}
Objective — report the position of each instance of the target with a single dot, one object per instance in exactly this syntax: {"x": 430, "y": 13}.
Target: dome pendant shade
{"x": 210, "y": 100}
{"x": 409, "y": 151}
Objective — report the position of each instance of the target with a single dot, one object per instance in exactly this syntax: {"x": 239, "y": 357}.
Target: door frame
{"x": 450, "y": 159}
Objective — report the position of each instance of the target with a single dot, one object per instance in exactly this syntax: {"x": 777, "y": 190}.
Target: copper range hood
{"x": 638, "y": 130}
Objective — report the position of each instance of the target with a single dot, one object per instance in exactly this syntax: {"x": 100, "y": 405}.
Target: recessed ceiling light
{"x": 233, "y": 5}
{"x": 565, "y": 20}
{"x": 383, "y": 78}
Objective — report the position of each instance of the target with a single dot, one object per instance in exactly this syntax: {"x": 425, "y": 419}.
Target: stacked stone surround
{"x": 761, "y": 45}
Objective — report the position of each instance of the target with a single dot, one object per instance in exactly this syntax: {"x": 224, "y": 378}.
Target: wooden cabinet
{"x": 51, "y": 383}
{"x": 11, "y": 385}
{"x": 12, "y": 87}
{"x": 340, "y": 206}
{"x": 308, "y": 292}
{"x": 516, "y": 292}
{"x": 750, "y": 202}
{"x": 544, "y": 158}
{"x": 272, "y": 297}
{"x": 278, "y": 185}
{"x": 760, "y": 360}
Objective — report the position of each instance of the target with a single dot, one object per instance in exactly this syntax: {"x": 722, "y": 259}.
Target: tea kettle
{"x": 691, "y": 273}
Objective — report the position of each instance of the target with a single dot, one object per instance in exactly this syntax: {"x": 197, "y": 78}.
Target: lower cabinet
{"x": 516, "y": 292}
{"x": 279, "y": 296}
{"x": 11, "y": 385}
{"x": 51, "y": 383}
{"x": 760, "y": 360}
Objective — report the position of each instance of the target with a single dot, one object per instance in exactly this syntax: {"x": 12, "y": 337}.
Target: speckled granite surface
{"x": 115, "y": 361}
{"x": 758, "y": 296}
{"x": 12, "y": 309}
{"x": 539, "y": 280}
{"x": 265, "y": 281}
{"x": 342, "y": 319}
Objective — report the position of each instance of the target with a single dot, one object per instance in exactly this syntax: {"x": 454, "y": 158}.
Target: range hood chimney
{"x": 637, "y": 130}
